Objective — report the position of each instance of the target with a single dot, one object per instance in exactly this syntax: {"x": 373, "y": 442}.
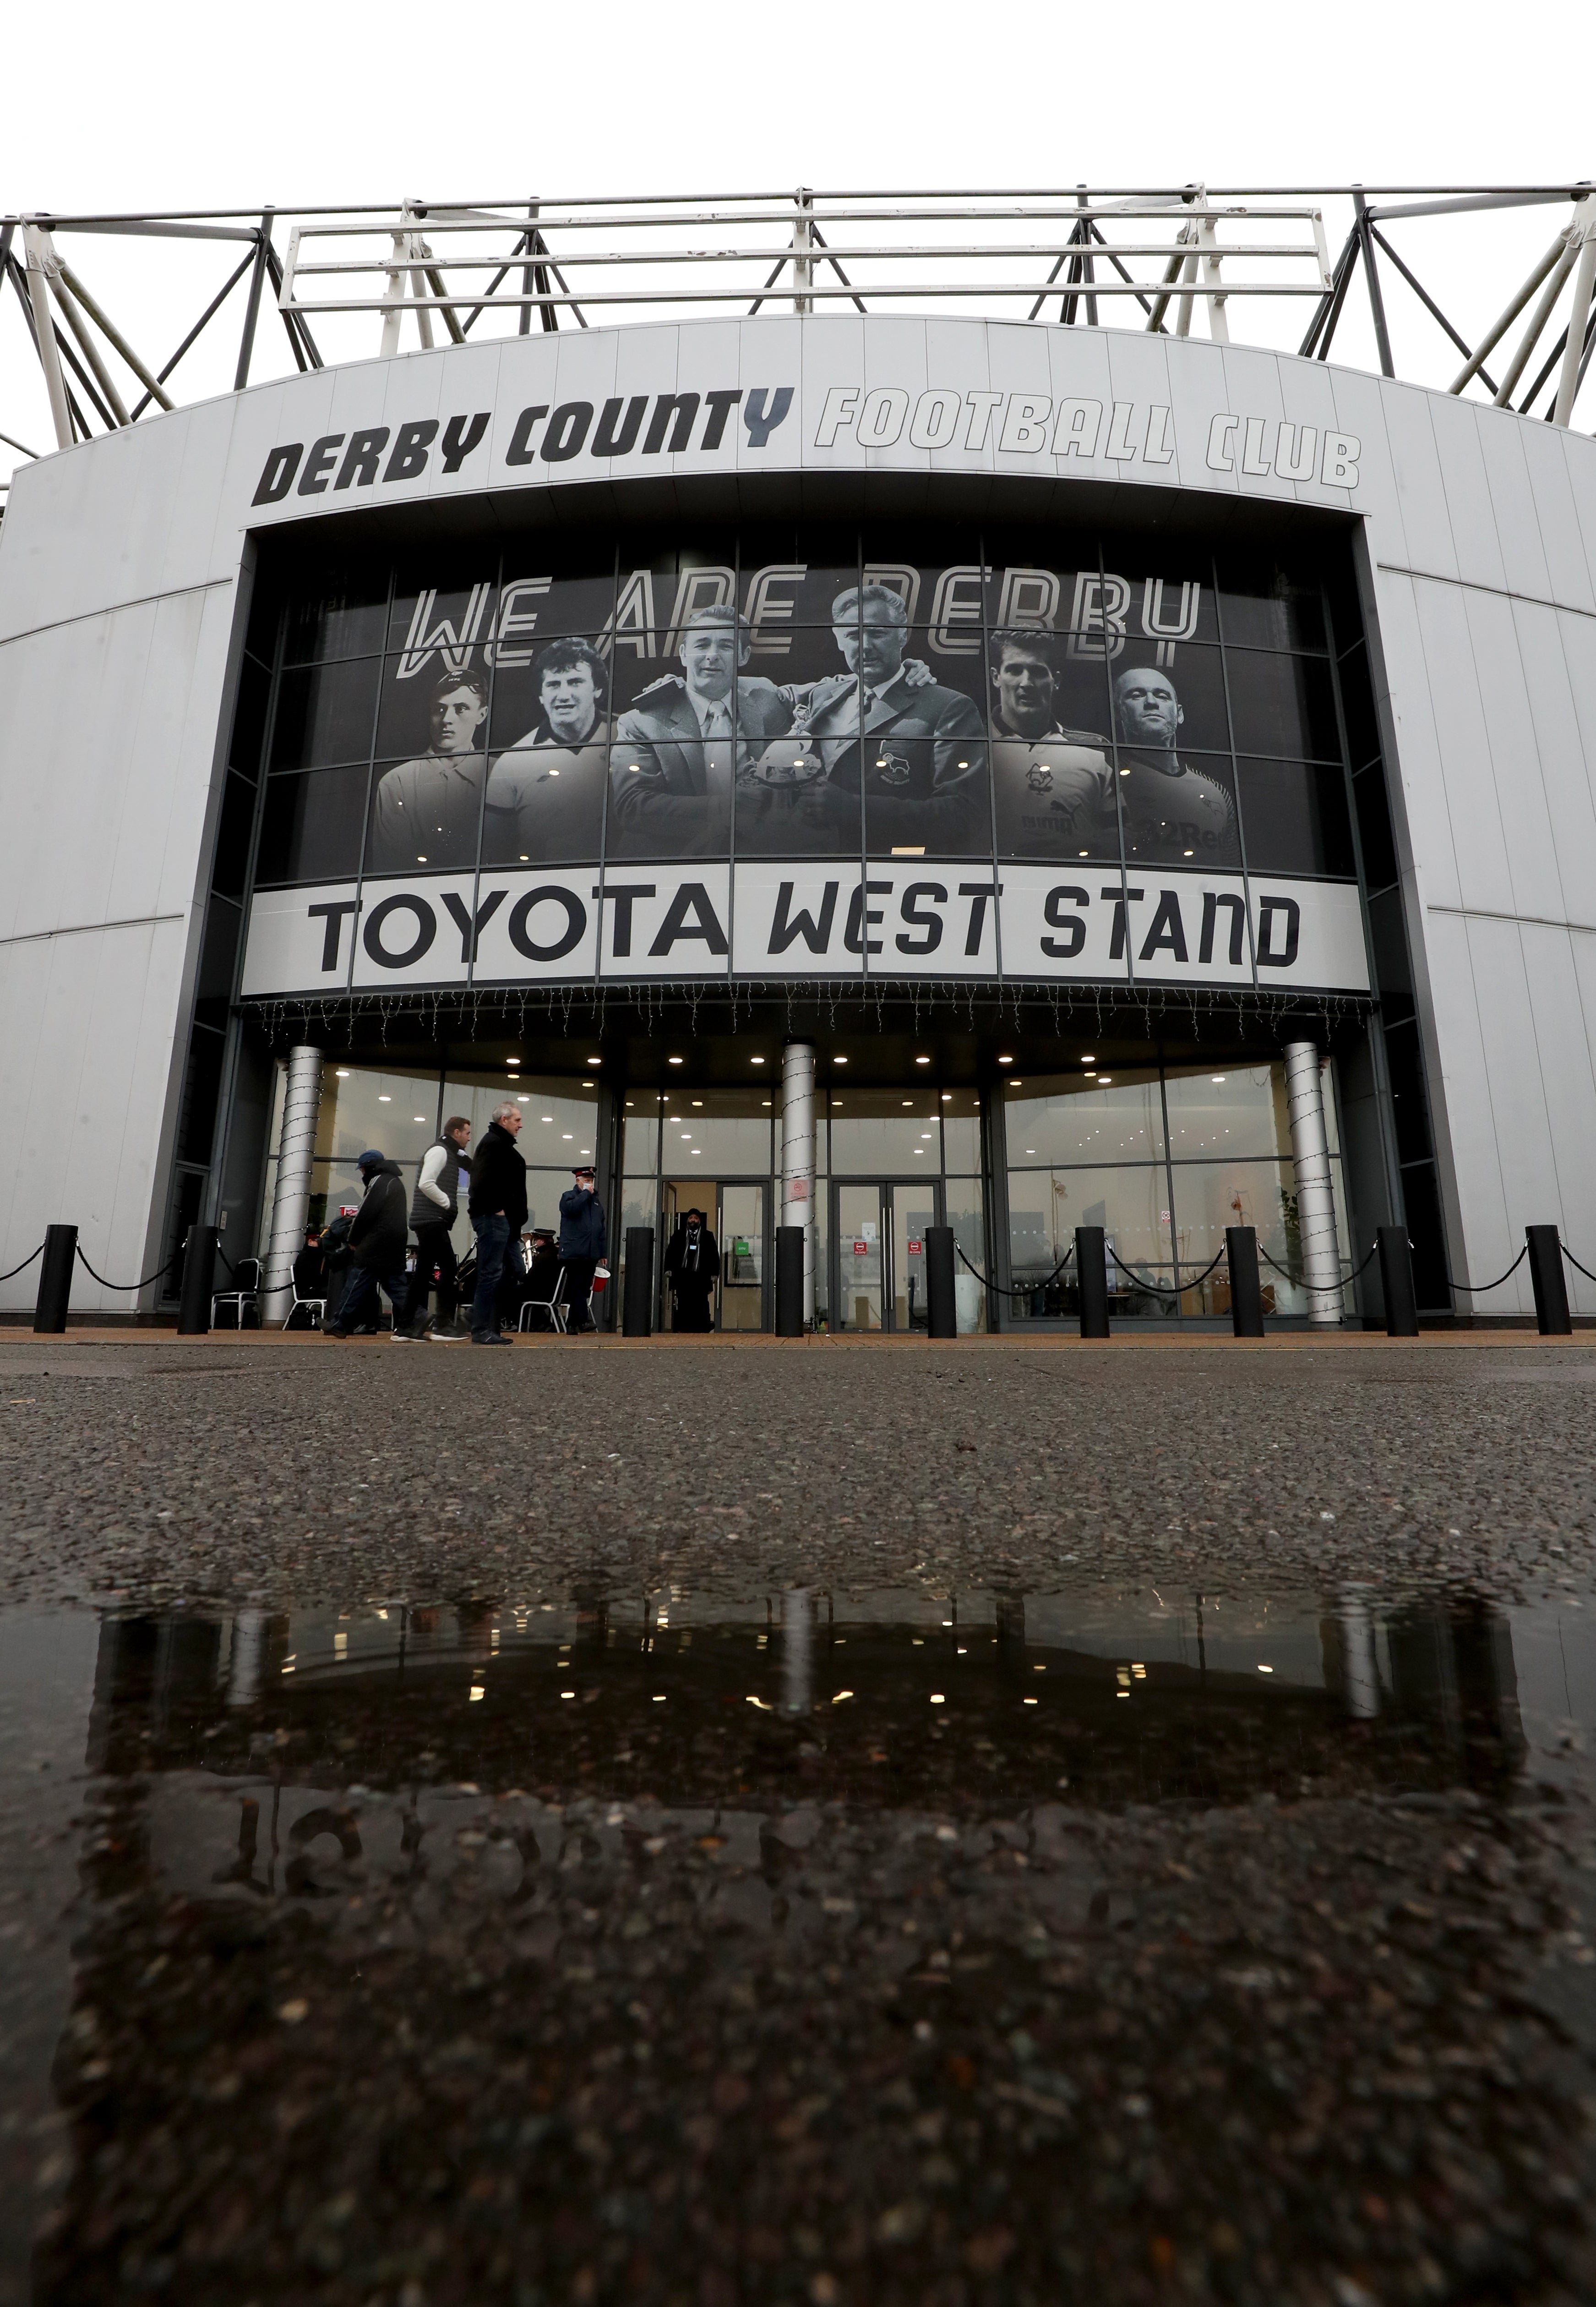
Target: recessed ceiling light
{"x": 673, "y": 1061}
{"x": 383, "y": 1098}
{"x": 756, "y": 1061}
{"x": 1005, "y": 1062}
{"x": 1089, "y": 1059}
{"x": 838, "y": 1061}
{"x": 343, "y": 1072}
{"x": 922, "y": 1061}
{"x": 596, "y": 1062}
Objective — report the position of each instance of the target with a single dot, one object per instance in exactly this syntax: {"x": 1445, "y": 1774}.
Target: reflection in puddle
{"x": 856, "y": 1947}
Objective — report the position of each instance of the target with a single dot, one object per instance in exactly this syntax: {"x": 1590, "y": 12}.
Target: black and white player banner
{"x": 927, "y": 919}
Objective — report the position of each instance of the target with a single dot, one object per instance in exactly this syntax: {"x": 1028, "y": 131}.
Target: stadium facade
{"x": 1072, "y": 767}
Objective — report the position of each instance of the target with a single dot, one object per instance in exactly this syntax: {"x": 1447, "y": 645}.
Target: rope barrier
{"x": 104, "y": 1284}
{"x": 1030, "y": 1288}
{"x": 1562, "y": 1245}
{"x": 26, "y": 1262}
{"x": 1153, "y": 1288}
{"x": 1477, "y": 1289}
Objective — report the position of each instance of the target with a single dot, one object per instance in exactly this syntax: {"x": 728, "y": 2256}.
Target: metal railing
{"x": 1156, "y": 259}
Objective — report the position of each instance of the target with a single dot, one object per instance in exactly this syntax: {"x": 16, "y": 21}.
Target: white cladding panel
{"x": 119, "y": 567}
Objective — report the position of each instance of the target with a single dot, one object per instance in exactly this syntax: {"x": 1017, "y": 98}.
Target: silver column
{"x": 798, "y": 1651}
{"x": 1316, "y": 1204}
{"x": 797, "y": 1155}
{"x": 290, "y": 1203}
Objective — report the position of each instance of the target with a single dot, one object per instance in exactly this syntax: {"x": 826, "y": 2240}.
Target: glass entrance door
{"x": 878, "y": 1231}
{"x": 737, "y": 1214}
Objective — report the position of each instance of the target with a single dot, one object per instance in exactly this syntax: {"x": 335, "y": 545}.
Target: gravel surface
{"x": 265, "y": 1470}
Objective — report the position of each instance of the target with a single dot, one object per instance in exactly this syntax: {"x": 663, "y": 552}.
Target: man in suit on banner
{"x": 686, "y": 739}
{"x": 917, "y": 751}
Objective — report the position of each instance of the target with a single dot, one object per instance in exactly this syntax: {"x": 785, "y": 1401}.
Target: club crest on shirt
{"x": 892, "y": 769}
{"x": 1039, "y": 778}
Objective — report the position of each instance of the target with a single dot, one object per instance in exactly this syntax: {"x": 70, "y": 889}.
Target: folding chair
{"x": 315, "y": 1307}
{"x": 246, "y": 1274}
{"x": 554, "y": 1306}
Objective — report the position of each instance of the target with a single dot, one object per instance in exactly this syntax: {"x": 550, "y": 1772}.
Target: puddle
{"x": 556, "y": 1946}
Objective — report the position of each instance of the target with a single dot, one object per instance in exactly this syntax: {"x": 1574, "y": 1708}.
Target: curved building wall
{"x": 126, "y": 564}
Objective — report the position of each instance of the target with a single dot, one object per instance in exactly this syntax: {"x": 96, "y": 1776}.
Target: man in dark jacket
{"x": 692, "y": 1262}
{"x": 582, "y": 1244}
{"x": 376, "y": 1243}
{"x": 498, "y": 1207}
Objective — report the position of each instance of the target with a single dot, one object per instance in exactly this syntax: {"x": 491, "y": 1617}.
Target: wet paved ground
{"x": 989, "y": 1824}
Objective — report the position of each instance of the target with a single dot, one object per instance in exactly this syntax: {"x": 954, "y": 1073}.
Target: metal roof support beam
{"x": 110, "y": 397}
{"x": 1566, "y": 262}
{"x": 1505, "y": 319}
{"x": 1377, "y": 302}
{"x": 251, "y": 311}
{"x": 37, "y": 251}
{"x": 1426, "y": 299}
{"x": 113, "y": 335}
{"x": 1579, "y": 312}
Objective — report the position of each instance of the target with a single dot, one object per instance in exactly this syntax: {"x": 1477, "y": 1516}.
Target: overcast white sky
{"x": 187, "y": 106}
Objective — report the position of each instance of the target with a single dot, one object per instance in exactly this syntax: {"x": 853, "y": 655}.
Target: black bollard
{"x": 198, "y": 1281}
{"x": 1396, "y": 1283}
{"x": 940, "y": 1300}
{"x": 1091, "y": 1275}
{"x": 1246, "y": 1290}
{"x": 637, "y": 1303}
{"x": 1550, "y": 1286}
{"x": 55, "y": 1278}
{"x": 790, "y": 1281}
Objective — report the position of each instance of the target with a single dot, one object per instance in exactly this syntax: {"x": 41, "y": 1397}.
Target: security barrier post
{"x": 941, "y": 1303}
{"x": 1091, "y": 1269}
{"x": 1545, "y": 1275}
{"x": 637, "y": 1301}
{"x": 55, "y": 1278}
{"x": 1396, "y": 1283}
{"x": 790, "y": 1244}
{"x": 1246, "y": 1291}
{"x": 198, "y": 1281}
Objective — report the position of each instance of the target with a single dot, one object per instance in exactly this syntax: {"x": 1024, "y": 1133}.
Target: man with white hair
{"x": 498, "y": 1207}
{"x": 917, "y": 750}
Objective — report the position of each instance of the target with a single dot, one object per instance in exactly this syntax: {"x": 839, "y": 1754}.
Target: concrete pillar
{"x": 291, "y": 1203}
{"x": 1316, "y": 1203}
{"x": 797, "y": 1156}
{"x": 798, "y": 1652}
{"x": 1360, "y": 1681}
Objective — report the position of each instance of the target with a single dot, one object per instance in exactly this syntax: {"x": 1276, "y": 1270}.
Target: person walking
{"x": 498, "y": 1207}
{"x": 433, "y": 1209}
{"x": 691, "y": 1262}
{"x": 376, "y": 1245}
{"x": 582, "y": 1244}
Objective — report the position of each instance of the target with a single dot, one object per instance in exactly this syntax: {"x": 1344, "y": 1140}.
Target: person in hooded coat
{"x": 691, "y": 1264}
{"x": 377, "y": 1241}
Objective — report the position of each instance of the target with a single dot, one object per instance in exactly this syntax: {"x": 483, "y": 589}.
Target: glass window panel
{"x": 790, "y": 580}
{"x": 324, "y": 714}
{"x": 797, "y": 793}
{"x": 823, "y": 1261}
{"x": 1357, "y": 705}
{"x": 392, "y": 1108}
{"x": 544, "y": 1190}
{"x": 559, "y": 1116}
{"x": 1154, "y": 593}
{"x": 1374, "y": 827}
{"x": 1180, "y": 810}
{"x": 1264, "y": 606}
{"x": 640, "y": 1133}
{"x": 558, "y": 698}
{"x": 1211, "y": 1196}
{"x": 966, "y": 1206}
{"x": 1283, "y": 705}
{"x": 248, "y": 717}
{"x": 426, "y": 812}
{"x": 1294, "y": 817}
{"x": 961, "y": 1129}
{"x": 885, "y": 1132}
{"x": 546, "y": 789}
{"x": 437, "y": 713}
{"x": 443, "y": 604}
{"x": 1236, "y": 1111}
{"x": 311, "y": 827}
{"x": 346, "y": 616}
{"x": 1069, "y": 1118}
{"x": 716, "y": 1133}
{"x": 1172, "y": 705}
{"x": 1051, "y": 765}
{"x": 542, "y": 596}
{"x": 1046, "y": 1205}
{"x": 1393, "y": 969}
{"x": 230, "y": 866}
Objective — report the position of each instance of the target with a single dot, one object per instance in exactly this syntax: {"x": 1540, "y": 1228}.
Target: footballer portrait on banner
{"x": 1053, "y": 786}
